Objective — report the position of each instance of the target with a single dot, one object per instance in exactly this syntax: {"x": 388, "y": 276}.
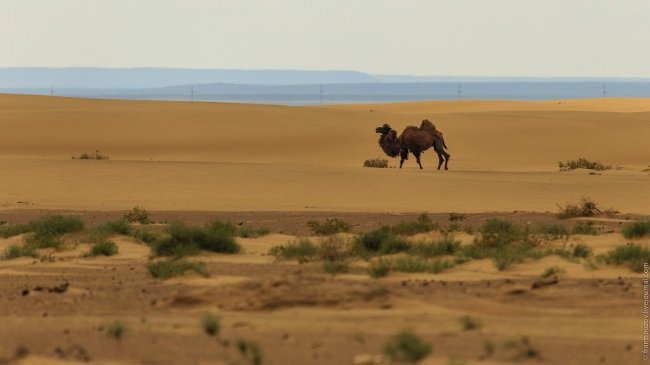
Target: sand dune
{"x": 214, "y": 156}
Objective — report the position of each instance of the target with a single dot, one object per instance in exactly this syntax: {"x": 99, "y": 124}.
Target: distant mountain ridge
{"x": 149, "y": 78}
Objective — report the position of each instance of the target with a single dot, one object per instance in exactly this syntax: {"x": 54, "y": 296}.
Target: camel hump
{"x": 427, "y": 126}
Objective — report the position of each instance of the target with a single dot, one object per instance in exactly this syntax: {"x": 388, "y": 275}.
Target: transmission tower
{"x": 320, "y": 88}
{"x": 459, "y": 91}
{"x": 604, "y": 90}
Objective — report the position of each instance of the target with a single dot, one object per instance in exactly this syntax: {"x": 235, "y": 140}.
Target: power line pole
{"x": 321, "y": 94}
{"x": 52, "y": 90}
{"x": 459, "y": 91}
{"x": 604, "y": 90}
{"x": 192, "y": 92}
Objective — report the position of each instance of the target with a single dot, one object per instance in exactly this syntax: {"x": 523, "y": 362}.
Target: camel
{"x": 415, "y": 140}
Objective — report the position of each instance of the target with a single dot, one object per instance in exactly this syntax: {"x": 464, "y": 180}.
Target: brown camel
{"x": 413, "y": 139}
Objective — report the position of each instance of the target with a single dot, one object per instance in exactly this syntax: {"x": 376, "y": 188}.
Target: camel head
{"x": 385, "y": 129}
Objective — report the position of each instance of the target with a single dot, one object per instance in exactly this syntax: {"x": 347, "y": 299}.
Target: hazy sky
{"x": 419, "y": 37}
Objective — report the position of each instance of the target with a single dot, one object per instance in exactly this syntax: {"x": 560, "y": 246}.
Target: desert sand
{"x": 279, "y": 167}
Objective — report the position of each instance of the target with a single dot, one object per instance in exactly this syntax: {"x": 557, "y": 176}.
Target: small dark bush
{"x": 336, "y": 267}
{"x": 632, "y": 254}
{"x": 583, "y": 163}
{"x": 407, "y": 347}
{"x": 250, "y": 351}
{"x": 636, "y": 229}
{"x": 586, "y": 208}
{"x": 116, "y": 330}
{"x": 302, "y": 250}
{"x": 552, "y": 270}
{"x": 211, "y": 324}
{"x": 379, "y": 268}
{"x": 91, "y": 156}
{"x": 250, "y": 232}
{"x": 329, "y": 227}
{"x": 169, "y": 268}
{"x": 444, "y": 246}
{"x": 105, "y": 248}
{"x": 470, "y": 323}
{"x": 457, "y": 217}
{"x": 376, "y": 162}
{"x": 139, "y": 215}
{"x": 188, "y": 240}
{"x": 581, "y": 250}
{"x": 372, "y": 241}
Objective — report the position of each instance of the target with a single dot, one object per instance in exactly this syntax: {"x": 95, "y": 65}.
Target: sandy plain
{"x": 279, "y": 167}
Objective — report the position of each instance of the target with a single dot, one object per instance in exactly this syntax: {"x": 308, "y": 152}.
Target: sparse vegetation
{"x": 444, "y": 246}
{"x": 91, "y": 156}
{"x": 376, "y": 162}
{"x": 329, "y": 227}
{"x": 105, "y": 248}
{"x": 413, "y": 264}
{"x": 16, "y": 251}
{"x": 188, "y": 240}
{"x": 250, "y": 232}
{"x": 169, "y": 268}
{"x": 636, "y": 229}
{"x": 250, "y": 351}
{"x": 583, "y": 163}
{"x": 581, "y": 250}
{"x": 407, "y": 347}
{"x": 553, "y": 231}
{"x": 470, "y": 323}
{"x": 631, "y": 254}
{"x": 552, "y": 270}
{"x": 379, "y": 268}
{"x": 139, "y": 215}
{"x": 380, "y": 241}
{"x": 302, "y": 250}
{"x": 116, "y": 330}
{"x": 586, "y": 208}
{"x": 211, "y": 324}
{"x": 457, "y": 217}
{"x": 422, "y": 225}
{"x": 336, "y": 267}
{"x": 585, "y": 228}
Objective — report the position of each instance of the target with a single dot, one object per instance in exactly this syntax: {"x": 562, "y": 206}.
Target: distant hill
{"x": 115, "y": 78}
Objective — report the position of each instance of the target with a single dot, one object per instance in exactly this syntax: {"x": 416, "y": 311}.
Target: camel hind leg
{"x": 404, "y": 155}
{"x": 417, "y": 157}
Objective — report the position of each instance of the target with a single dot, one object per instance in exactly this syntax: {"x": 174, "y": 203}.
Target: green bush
{"x": 15, "y": 251}
{"x": 407, "y": 347}
{"x": 583, "y": 163}
{"x": 250, "y": 351}
{"x": 146, "y": 236}
{"x": 379, "y": 268}
{"x": 381, "y": 241}
{"x": 211, "y": 324}
{"x": 302, "y": 250}
{"x": 10, "y": 230}
{"x": 187, "y": 240}
{"x": 336, "y": 267}
{"x": 553, "y": 231}
{"x": 444, "y": 246}
{"x": 632, "y": 254}
{"x": 498, "y": 233}
{"x": 636, "y": 229}
{"x": 552, "y": 270}
{"x": 105, "y": 248}
{"x": 581, "y": 250}
{"x": 139, "y": 215}
{"x": 422, "y": 225}
{"x": 250, "y": 232}
{"x": 376, "y": 162}
{"x": 169, "y": 268}
{"x": 117, "y": 226}
{"x": 329, "y": 227}
{"x": 470, "y": 323}
{"x": 116, "y": 330}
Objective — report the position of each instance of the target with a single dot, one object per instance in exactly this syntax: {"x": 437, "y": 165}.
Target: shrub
{"x": 581, "y": 250}
{"x": 333, "y": 249}
{"x": 470, "y": 323}
{"x": 91, "y": 156}
{"x": 138, "y": 214}
{"x": 56, "y": 225}
{"x": 444, "y": 246}
{"x": 553, "y": 231}
{"x": 411, "y": 264}
{"x": 169, "y": 268}
{"x": 302, "y": 250}
{"x": 379, "y": 268}
{"x": 106, "y": 248}
{"x": 250, "y": 351}
{"x": 552, "y": 270}
{"x": 44, "y": 241}
{"x": 10, "y": 230}
{"x": 376, "y": 162}
{"x": 146, "y": 236}
{"x": 329, "y": 227}
{"x": 421, "y": 225}
{"x": 117, "y": 226}
{"x": 381, "y": 241}
{"x": 188, "y": 240}
{"x": 407, "y": 347}
{"x": 636, "y": 229}
{"x": 503, "y": 256}
{"x": 498, "y": 233}
{"x": 457, "y": 217}
{"x": 15, "y": 251}
{"x": 586, "y": 208}
{"x": 632, "y": 254}
{"x": 583, "y": 163}
{"x": 116, "y": 330}
{"x": 211, "y": 324}
{"x": 586, "y": 228}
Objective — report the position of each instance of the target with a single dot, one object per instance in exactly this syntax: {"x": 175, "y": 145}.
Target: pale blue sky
{"x": 432, "y": 37}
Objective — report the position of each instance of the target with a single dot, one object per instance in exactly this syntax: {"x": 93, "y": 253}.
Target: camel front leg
{"x": 417, "y": 158}
{"x": 404, "y": 154}
{"x": 441, "y": 160}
